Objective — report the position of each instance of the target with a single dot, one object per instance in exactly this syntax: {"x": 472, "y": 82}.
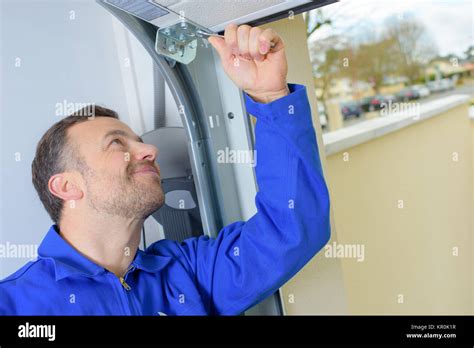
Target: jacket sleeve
{"x": 248, "y": 261}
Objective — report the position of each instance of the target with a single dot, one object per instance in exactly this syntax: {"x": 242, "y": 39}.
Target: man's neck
{"x": 109, "y": 241}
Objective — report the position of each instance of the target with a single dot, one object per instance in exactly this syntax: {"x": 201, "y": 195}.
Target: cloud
{"x": 449, "y": 23}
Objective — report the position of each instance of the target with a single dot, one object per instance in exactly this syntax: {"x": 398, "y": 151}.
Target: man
{"x": 99, "y": 182}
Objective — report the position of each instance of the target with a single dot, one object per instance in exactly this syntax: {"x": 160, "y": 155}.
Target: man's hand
{"x": 251, "y": 63}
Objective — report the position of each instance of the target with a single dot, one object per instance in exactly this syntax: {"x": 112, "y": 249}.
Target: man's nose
{"x": 146, "y": 152}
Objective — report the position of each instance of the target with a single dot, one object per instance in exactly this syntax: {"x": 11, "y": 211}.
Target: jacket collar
{"x": 68, "y": 261}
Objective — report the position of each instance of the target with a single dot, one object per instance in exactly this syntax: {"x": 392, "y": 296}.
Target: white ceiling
{"x": 212, "y": 14}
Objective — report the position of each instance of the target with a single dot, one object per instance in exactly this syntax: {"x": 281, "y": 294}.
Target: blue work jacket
{"x": 244, "y": 264}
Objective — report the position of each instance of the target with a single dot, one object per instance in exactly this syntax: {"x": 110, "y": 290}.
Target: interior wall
{"x": 52, "y": 52}
{"x": 318, "y": 288}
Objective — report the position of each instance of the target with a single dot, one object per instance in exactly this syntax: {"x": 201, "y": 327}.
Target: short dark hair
{"x": 55, "y": 154}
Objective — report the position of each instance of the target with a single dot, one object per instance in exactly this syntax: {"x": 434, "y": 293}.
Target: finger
{"x": 221, "y": 47}
{"x": 267, "y": 37}
{"x": 254, "y": 44}
{"x": 230, "y": 35}
{"x": 243, "y": 40}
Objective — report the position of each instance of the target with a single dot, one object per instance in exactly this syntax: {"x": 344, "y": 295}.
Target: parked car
{"x": 407, "y": 94}
{"x": 323, "y": 118}
{"x": 375, "y": 102}
{"x": 413, "y": 92}
{"x": 441, "y": 85}
{"x": 422, "y": 90}
{"x": 350, "y": 108}
{"x": 365, "y": 103}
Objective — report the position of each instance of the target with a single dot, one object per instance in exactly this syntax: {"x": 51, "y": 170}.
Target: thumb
{"x": 220, "y": 46}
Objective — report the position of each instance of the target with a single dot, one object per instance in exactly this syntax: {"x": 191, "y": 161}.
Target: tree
{"x": 414, "y": 47}
{"x": 315, "y": 19}
{"x": 327, "y": 57}
{"x": 376, "y": 60}
{"x": 469, "y": 53}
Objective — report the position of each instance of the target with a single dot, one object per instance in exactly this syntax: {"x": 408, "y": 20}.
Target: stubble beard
{"x": 128, "y": 196}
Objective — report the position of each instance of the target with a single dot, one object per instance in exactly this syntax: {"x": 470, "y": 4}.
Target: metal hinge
{"x": 178, "y": 42}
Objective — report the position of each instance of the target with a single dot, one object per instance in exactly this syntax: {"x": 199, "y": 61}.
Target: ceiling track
{"x": 185, "y": 96}
{"x": 294, "y": 11}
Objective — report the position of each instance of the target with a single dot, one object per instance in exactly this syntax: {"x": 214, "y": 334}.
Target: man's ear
{"x": 62, "y": 186}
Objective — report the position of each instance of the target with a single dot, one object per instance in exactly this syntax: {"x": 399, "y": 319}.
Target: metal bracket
{"x": 178, "y": 42}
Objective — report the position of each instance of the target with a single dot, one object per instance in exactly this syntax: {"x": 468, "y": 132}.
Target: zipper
{"x": 124, "y": 284}
{"x": 122, "y": 279}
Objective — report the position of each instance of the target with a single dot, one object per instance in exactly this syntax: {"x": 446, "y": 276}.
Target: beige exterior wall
{"x": 409, "y": 250}
{"x": 472, "y": 216}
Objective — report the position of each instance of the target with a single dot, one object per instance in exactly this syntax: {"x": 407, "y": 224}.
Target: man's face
{"x": 120, "y": 175}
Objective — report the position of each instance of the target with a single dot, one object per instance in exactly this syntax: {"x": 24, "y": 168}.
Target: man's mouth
{"x": 147, "y": 170}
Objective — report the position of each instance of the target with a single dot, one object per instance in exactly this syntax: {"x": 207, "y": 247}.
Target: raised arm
{"x": 248, "y": 261}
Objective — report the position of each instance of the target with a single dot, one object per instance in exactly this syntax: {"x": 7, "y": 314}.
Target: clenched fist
{"x": 250, "y": 61}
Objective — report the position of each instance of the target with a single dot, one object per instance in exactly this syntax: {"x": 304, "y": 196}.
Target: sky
{"x": 449, "y": 23}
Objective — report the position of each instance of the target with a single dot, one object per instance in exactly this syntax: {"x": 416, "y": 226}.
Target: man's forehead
{"x": 99, "y": 127}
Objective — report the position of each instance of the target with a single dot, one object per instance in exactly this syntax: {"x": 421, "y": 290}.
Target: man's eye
{"x": 116, "y": 141}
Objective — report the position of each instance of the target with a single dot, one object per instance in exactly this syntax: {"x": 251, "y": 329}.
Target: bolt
{"x": 192, "y": 45}
{"x": 172, "y": 48}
